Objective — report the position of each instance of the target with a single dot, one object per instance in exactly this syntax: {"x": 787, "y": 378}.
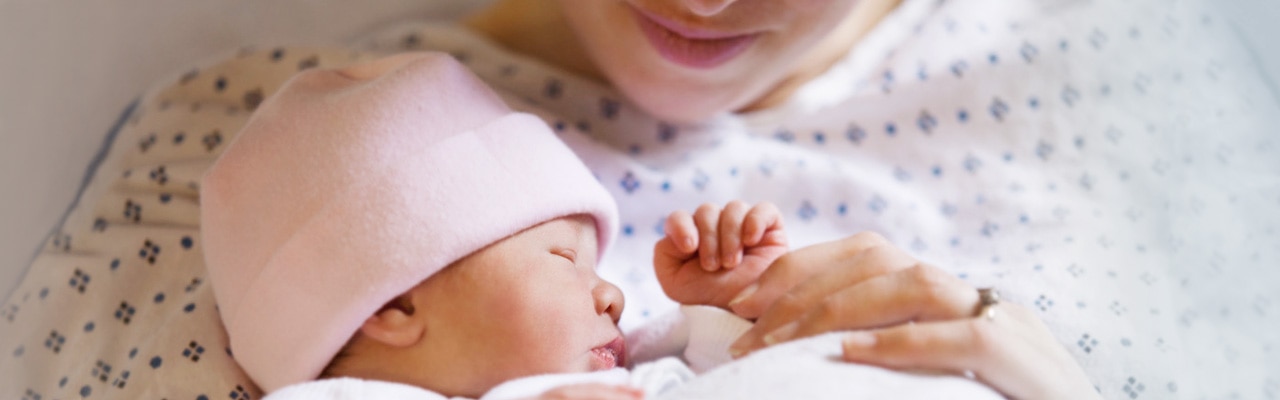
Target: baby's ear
{"x": 397, "y": 324}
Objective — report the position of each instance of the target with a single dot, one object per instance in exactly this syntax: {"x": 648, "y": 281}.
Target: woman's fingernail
{"x": 744, "y": 294}
{"x": 781, "y": 334}
{"x": 740, "y": 347}
{"x": 859, "y": 340}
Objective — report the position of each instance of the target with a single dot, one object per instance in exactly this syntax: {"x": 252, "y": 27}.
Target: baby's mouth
{"x": 610, "y": 355}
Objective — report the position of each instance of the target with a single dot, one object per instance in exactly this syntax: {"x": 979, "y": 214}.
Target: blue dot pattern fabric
{"x": 1107, "y": 165}
{"x": 117, "y": 306}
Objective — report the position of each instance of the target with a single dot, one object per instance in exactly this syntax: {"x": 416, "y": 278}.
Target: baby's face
{"x": 529, "y": 304}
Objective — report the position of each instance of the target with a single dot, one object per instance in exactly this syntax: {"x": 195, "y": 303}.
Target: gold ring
{"x": 988, "y": 298}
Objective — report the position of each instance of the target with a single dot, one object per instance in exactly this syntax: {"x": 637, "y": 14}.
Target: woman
{"x": 693, "y": 60}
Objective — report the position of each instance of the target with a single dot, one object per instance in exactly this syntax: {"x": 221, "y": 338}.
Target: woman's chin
{"x": 679, "y": 106}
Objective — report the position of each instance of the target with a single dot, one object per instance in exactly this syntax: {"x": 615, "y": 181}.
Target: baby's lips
{"x": 604, "y": 359}
{"x": 610, "y": 355}
{"x": 619, "y": 348}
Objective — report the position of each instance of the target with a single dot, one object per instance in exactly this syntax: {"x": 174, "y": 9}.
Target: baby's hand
{"x": 709, "y": 257}
{"x": 593, "y": 391}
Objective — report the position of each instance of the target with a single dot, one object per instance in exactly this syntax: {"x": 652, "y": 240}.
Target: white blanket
{"x": 803, "y": 369}
{"x": 699, "y": 336}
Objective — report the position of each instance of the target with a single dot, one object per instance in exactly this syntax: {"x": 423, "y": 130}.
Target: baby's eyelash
{"x": 568, "y": 254}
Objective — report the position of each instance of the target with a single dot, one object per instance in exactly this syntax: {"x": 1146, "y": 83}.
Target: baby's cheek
{"x": 542, "y": 339}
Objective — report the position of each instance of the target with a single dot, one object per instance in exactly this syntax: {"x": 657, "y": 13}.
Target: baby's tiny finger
{"x": 707, "y": 219}
{"x": 731, "y": 233}
{"x": 759, "y": 220}
{"x": 682, "y": 231}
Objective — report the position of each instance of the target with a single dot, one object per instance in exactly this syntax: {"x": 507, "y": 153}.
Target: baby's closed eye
{"x": 567, "y": 253}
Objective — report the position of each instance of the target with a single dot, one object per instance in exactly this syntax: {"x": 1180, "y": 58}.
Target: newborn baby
{"x": 395, "y": 231}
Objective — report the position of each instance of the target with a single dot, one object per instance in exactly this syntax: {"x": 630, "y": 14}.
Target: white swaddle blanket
{"x": 668, "y": 351}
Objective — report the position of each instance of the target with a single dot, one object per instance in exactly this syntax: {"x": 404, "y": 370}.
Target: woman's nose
{"x": 707, "y": 8}
{"x": 609, "y": 299}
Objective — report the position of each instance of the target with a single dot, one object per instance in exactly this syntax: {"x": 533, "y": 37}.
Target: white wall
{"x": 69, "y": 67}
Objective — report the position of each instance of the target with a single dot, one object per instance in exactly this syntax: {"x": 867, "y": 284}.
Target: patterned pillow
{"x": 116, "y": 305}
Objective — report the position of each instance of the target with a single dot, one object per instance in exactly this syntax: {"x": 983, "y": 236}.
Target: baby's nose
{"x": 609, "y": 300}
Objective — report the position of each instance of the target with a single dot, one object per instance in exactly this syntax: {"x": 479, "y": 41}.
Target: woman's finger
{"x": 682, "y": 231}
{"x": 870, "y": 263}
{"x": 762, "y": 218}
{"x": 707, "y": 218}
{"x": 872, "y": 257}
{"x": 947, "y": 346}
{"x": 799, "y": 266}
{"x": 1011, "y": 352}
{"x": 921, "y": 293}
{"x": 731, "y": 233}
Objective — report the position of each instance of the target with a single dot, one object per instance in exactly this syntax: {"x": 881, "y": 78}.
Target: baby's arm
{"x": 708, "y": 257}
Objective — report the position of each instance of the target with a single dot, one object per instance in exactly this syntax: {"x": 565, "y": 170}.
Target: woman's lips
{"x": 610, "y": 355}
{"x": 691, "y": 47}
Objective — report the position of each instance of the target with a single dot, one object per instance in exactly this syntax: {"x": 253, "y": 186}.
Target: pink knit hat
{"x": 349, "y": 187}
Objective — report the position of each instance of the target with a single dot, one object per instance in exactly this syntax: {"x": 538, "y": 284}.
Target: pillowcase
{"x": 117, "y": 304}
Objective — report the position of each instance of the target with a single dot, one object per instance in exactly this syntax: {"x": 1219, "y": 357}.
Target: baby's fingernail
{"x": 781, "y": 334}
{"x": 688, "y": 244}
{"x": 711, "y": 263}
{"x": 859, "y": 340}
{"x": 744, "y": 294}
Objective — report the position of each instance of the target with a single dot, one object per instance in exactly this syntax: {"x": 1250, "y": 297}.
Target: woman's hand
{"x": 592, "y": 391}
{"x": 710, "y": 256}
{"x": 905, "y": 315}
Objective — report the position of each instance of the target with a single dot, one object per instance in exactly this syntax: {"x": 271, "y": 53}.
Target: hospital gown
{"x": 1110, "y": 165}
